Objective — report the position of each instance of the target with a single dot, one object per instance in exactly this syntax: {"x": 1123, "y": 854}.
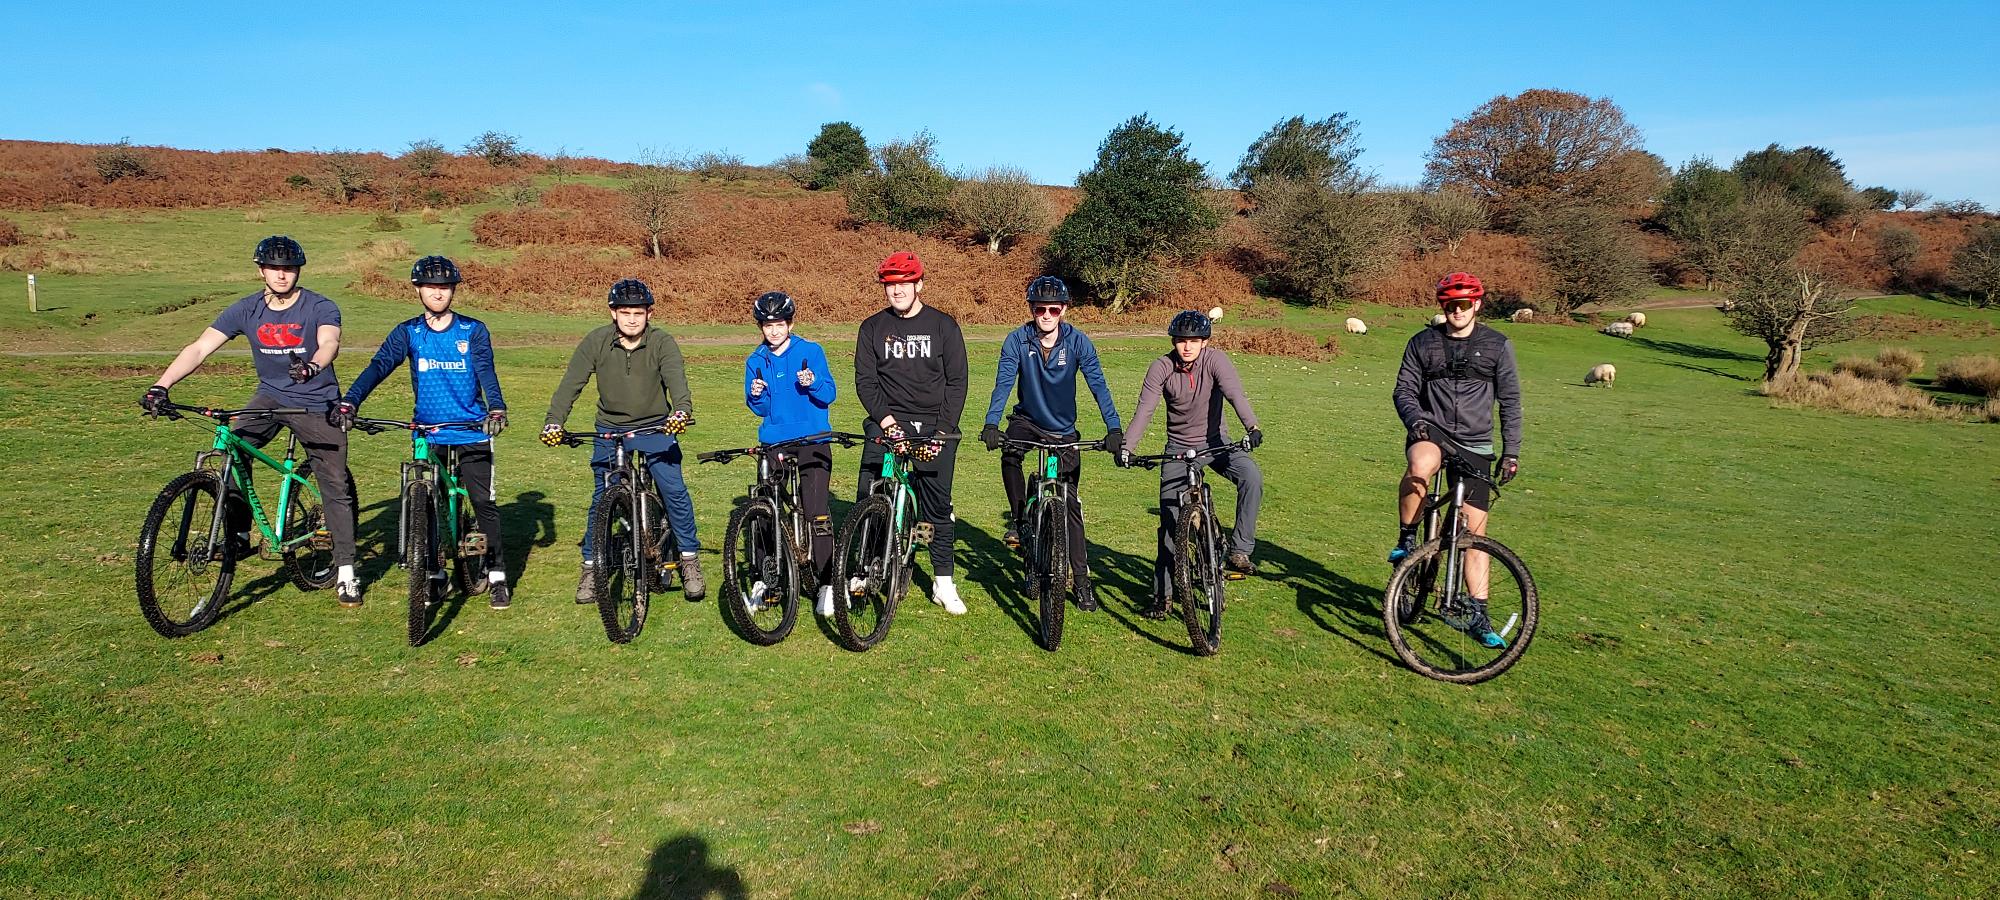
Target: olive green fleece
{"x": 635, "y": 387}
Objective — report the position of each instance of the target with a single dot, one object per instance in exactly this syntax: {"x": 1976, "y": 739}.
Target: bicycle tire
{"x": 421, "y": 558}
{"x": 861, "y": 619}
{"x": 1198, "y": 579}
{"x": 1047, "y": 561}
{"x": 1411, "y": 639}
{"x": 309, "y": 568}
{"x": 178, "y": 509}
{"x": 756, "y": 549}
{"x": 621, "y": 570}
{"x": 469, "y": 572}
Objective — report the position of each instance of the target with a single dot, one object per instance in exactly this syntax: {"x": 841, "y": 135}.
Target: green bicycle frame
{"x": 235, "y": 452}
{"x": 423, "y": 465}
{"x": 895, "y": 467}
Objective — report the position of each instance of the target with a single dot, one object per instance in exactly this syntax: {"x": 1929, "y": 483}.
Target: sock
{"x": 346, "y": 574}
{"x": 1405, "y": 532}
{"x": 689, "y": 555}
{"x": 496, "y": 576}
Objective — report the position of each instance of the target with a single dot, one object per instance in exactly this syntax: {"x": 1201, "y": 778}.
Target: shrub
{"x": 298, "y": 181}
{"x": 425, "y": 158}
{"x": 255, "y": 215}
{"x": 1894, "y": 365}
{"x": 999, "y": 205}
{"x": 518, "y": 194}
{"x": 10, "y": 233}
{"x": 498, "y": 148}
{"x": 1843, "y": 392}
{"x": 1590, "y": 256}
{"x": 1976, "y": 375}
{"x": 1277, "y": 342}
{"x": 56, "y": 233}
{"x": 1903, "y": 359}
{"x": 905, "y": 189}
{"x": 430, "y": 216}
{"x": 120, "y": 160}
{"x": 386, "y": 222}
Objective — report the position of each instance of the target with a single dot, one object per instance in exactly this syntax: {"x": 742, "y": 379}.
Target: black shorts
{"x": 1478, "y": 494}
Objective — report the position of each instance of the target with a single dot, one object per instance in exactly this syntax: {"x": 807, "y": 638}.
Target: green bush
{"x": 386, "y": 222}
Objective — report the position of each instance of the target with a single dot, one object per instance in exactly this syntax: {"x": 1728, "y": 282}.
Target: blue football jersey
{"x": 451, "y": 371}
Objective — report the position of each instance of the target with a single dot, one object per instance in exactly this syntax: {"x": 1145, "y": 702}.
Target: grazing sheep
{"x": 1523, "y": 314}
{"x": 1437, "y": 319}
{"x": 1215, "y": 314}
{"x": 1602, "y": 373}
{"x": 1618, "y": 329}
{"x": 1356, "y": 326}
{"x": 1638, "y": 319}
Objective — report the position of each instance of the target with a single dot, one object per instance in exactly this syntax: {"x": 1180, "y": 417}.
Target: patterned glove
{"x": 1508, "y": 468}
{"x": 496, "y": 422}
{"x": 678, "y": 422}
{"x": 341, "y": 415}
{"x": 155, "y": 401}
{"x": 303, "y": 369}
{"x": 552, "y": 435}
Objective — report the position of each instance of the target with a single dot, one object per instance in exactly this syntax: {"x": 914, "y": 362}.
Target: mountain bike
{"x": 187, "y": 557}
{"x": 637, "y": 554}
{"x": 1044, "y": 530}
{"x": 767, "y": 555}
{"x": 878, "y": 545}
{"x": 1428, "y": 611}
{"x": 1196, "y": 542}
{"x": 434, "y": 522}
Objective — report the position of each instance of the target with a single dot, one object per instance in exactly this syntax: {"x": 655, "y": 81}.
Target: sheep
{"x": 1618, "y": 329}
{"x": 1523, "y": 314}
{"x": 1602, "y": 373}
{"x": 1638, "y": 319}
{"x": 1215, "y": 314}
{"x": 1356, "y": 326}
{"x": 1437, "y": 319}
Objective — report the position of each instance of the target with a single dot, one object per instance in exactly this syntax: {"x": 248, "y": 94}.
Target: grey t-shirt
{"x": 277, "y": 334}
{"x": 1193, "y": 395}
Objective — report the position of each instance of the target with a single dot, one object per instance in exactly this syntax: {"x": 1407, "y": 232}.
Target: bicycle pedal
{"x": 923, "y": 533}
{"x": 321, "y": 540}
{"x": 473, "y": 545}
{"x": 1234, "y": 576}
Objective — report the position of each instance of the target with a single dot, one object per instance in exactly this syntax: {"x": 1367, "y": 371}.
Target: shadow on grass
{"x": 1709, "y": 370}
{"x": 680, "y": 869}
{"x": 1693, "y": 351}
{"x": 1337, "y": 604}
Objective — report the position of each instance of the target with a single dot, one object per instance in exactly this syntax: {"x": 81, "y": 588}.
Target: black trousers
{"x": 475, "y": 474}
{"x": 1069, "y": 470}
{"x": 931, "y": 482}
{"x": 815, "y": 476}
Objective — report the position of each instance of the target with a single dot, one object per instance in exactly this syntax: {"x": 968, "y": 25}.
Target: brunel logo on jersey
{"x": 440, "y": 365}
{"x": 281, "y": 334}
{"x": 916, "y": 346}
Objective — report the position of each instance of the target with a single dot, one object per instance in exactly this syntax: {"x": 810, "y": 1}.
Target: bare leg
{"x": 1425, "y": 457}
{"x": 1477, "y": 563}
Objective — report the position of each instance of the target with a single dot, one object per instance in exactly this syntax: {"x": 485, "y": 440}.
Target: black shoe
{"x": 1240, "y": 565}
{"x": 1156, "y": 610}
{"x": 502, "y": 596}
{"x": 349, "y": 593}
{"x": 1086, "y": 595}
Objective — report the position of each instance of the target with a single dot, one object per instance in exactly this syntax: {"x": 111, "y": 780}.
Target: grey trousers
{"x": 1234, "y": 465}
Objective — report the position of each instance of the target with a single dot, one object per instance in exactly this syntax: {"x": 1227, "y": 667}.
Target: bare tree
{"x": 1975, "y": 268}
{"x": 654, "y": 202}
{"x": 562, "y": 164}
{"x": 425, "y": 158}
{"x": 1911, "y": 198}
{"x": 1790, "y": 308}
{"x": 999, "y": 205}
{"x": 1589, "y": 254}
{"x": 1445, "y": 216}
{"x": 1898, "y": 248}
{"x": 345, "y": 174}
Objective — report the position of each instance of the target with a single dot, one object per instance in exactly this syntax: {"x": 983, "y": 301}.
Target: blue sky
{"x": 1898, "y": 93}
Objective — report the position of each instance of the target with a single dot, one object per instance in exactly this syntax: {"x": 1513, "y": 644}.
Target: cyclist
{"x": 1450, "y": 378}
{"x": 294, "y": 336}
{"x": 910, "y": 374}
{"x": 1192, "y": 381}
{"x": 1045, "y": 355}
{"x": 786, "y": 382}
{"x": 641, "y": 382}
{"x": 451, "y": 370}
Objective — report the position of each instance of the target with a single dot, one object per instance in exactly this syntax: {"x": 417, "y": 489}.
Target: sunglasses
{"x": 1054, "y": 309}
{"x": 1456, "y": 305}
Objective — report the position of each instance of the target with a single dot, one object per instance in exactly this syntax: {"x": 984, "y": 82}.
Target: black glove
{"x": 1124, "y": 459}
{"x": 341, "y": 415}
{"x": 1508, "y": 468}
{"x": 1421, "y": 430}
{"x": 303, "y": 369}
{"x": 496, "y": 422}
{"x": 990, "y": 436}
{"x": 1256, "y": 438}
{"x": 1114, "y": 441}
{"x": 155, "y": 400}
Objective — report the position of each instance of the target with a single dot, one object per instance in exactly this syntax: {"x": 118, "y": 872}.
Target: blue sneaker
{"x": 1481, "y": 628}
{"x": 1404, "y": 547}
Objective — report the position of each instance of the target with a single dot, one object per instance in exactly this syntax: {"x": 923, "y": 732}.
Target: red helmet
{"x": 901, "y": 266}
{"x": 1460, "y": 286}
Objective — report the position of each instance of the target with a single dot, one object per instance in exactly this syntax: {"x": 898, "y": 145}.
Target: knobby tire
{"x": 178, "y": 523}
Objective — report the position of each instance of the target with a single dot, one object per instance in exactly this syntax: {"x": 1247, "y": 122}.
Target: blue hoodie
{"x": 789, "y": 411}
{"x": 1048, "y": 383}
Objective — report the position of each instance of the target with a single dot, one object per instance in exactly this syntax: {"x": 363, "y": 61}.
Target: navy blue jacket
{"x": 1048, "y": 383}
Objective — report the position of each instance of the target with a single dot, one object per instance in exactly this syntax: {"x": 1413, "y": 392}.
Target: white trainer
{"x": 946, "y": 594}
{"x": 825, "y": 605}
{"x": 754, "y": 603}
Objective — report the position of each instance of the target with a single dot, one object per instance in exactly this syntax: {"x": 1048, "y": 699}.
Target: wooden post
{"x": 32, "y": 305}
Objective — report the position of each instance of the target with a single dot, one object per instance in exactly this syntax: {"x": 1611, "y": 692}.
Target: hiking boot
{"x": 693, "y": 586}
{"x": 586, "y": 586}
{"x": 1155, "y": 610}
{"x": 501, "y": 595}
{"x": 1086, "y": 595}
{"x": 348, "y": 593}
{"x": 1240, "y": 566}
{"x": 824, "y": 606}
{"x": 945, "y": 592}
{"x": 1405, "y": 545}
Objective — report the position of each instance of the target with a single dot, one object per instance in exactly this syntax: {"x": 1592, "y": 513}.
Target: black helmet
{"x": 434, "y": 270}
{"x": 1189, "y": 324}
{"x": 774, "y": 306}
{"x": 1048, "y": 289}
{"x": 279, "y": 250}
{"x": 631, "y": 292}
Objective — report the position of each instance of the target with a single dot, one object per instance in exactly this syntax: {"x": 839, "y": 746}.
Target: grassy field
{"x": 1766, "y": 665}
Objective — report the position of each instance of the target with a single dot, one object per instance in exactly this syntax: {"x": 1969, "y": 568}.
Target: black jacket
{"x": 1453, "y": 383}
{"x": 913, "y": 369}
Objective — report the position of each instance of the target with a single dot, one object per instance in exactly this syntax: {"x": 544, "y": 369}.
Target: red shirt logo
{"x": 281, "y": 334}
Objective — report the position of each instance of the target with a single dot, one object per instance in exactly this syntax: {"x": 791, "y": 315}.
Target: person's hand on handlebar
{"x": 496, "y": 422}
{"x": 1256, "y": 438}
{"x": 341, "y": 415}
{"x": 552, "y": 435}
{"x": 1421, "y": 430}
{"x": 990, "y": 436}
{"x": 155, "y": 401}
{"x": 1114, "y": 441}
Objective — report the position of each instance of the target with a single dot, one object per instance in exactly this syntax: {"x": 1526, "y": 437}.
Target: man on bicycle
{"x": 1193, "y": 381}
{"x": 451, "y": 370}
{"x": 1450, "y": 378}
{"x": 786, "y": 382}
{"x": 910, "y": 374}
{"x": 641, "y": 382}
{"x": 1045, "y": 355}
{"x": 294, "y": 336}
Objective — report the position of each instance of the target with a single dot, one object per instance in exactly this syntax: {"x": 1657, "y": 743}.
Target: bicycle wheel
{"x": 760, "y": 586}
{"x": 308, "y": 563}
{"x": 868, "y": 583}
{"x": 621, "y": 570}
{"x": 1198, "y": 578}
{"x": 423, "y": 557}
{"x": 1047, "y": 557}
{"x": 469, "y": 572}
{"x": 1440, "y": 640}
{"x": 181, "y": 574}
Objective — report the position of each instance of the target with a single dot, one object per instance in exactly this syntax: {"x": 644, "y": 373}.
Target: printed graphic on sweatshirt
{"x": 915, "y": 346}
{"x": 280, "y": 337}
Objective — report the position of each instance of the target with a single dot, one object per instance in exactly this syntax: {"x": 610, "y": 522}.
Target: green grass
{"x": 1766, "y": 666}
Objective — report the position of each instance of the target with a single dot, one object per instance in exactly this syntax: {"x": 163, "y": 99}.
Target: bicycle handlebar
{"x": 376, "y": 426}
{"x": 825, "y": 437}
{"x": 1006, "y": 441}
{"x": 576, "y": 438}
{"x": 1477, "y": 472}
{"x": 173, "y": 410}
{"x": 1158, "y": 459}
